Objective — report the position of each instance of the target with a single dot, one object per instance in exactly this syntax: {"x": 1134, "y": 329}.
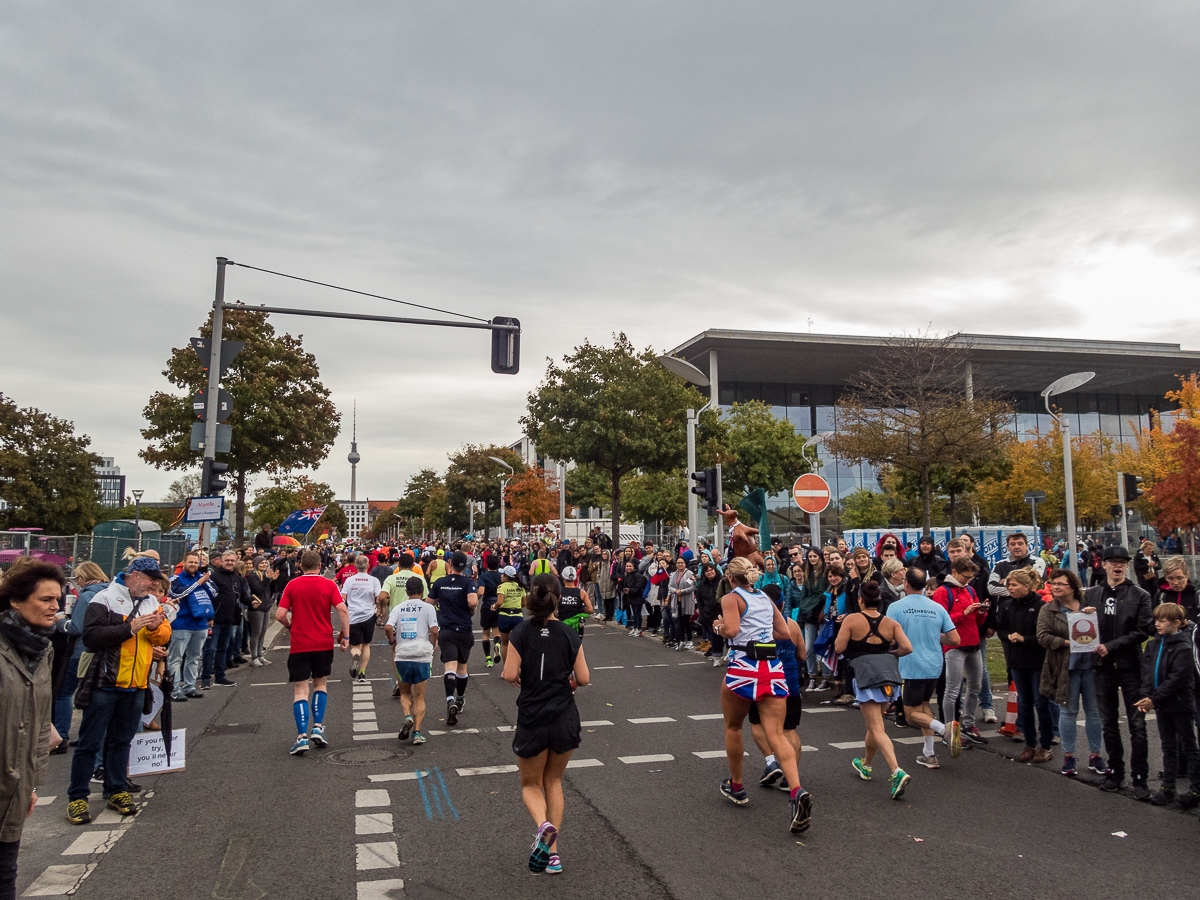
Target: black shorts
{"x": 310, "y": 664}
{"x": 917, "y": 691}
{"x": 362, "y": 632}
{"x": 561, "y": 736}
{"x": 455, "y": 645}
{"x": 488, "y": 617}
{"x": 791, "y": 715}
{"x": 509, "y": 619}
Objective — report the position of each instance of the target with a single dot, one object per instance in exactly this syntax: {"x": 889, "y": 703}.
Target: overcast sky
{"x": 658, "y": 168}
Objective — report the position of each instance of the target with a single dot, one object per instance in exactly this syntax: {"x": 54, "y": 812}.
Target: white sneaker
{"x": 989, "y": 715}
{"x": 256, "y": 663}
{"x": 812, "y": 684}
{"x": 690, "y": 645}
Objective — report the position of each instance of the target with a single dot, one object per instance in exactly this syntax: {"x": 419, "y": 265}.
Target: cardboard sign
{"x": 148, "y": 754}
{"x": 1085, "y": 631}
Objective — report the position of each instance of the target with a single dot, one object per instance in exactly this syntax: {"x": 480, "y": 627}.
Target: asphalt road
{"x": 644, "y": 818}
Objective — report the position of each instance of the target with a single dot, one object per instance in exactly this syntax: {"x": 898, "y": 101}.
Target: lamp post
{"x": 503, "y": 485}
{"x": 137, "y": 516}
{"x": 814, "y": 519}
{"x": 1061, "y": 386}
{"x": 691, "y": 375}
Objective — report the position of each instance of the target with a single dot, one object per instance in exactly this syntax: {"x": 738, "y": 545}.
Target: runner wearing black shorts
{"x": 456, "y": 597}
{"x": 789, "y": 654}
{"x": 489, "y": 618}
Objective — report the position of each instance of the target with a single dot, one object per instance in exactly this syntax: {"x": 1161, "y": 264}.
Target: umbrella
{"x": 283, "y": 540}
{"x": 167, "y": 685}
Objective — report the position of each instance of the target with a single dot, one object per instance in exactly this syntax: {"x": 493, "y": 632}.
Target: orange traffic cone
{"x": 1010, "y": 713}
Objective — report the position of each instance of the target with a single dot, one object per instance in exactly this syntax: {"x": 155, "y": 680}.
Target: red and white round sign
{"x": 811, "y": 493}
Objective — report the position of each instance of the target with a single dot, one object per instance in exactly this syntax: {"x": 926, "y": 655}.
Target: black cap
{"x": 458, "y": 559}
{"x": 1116, "y": 553}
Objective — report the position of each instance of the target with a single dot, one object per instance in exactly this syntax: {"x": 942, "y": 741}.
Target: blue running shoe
{"x": 739, "y": 796}
{"x": 301, "y": 745}
{"x": 318, "y": 736}
{"x": 539, "y": 856}
{"x": 801, "y": 811}
{"x": 771, "y": 774}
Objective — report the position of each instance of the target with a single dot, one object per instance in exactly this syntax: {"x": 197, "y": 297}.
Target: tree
{"x": 183, "y": 488}
{"x": 760, "y": 450}
{"x": 908, "y": 409}
{"x": 657, "y": 496}
{"x": 47, "y": 472}
{"x": 473, "y": 477}
{"x": 612, "y": 407}
{"x": 282, "y": 417}
{"x": 865, "y": 509}
{"x": 532, "y": 497}
{"x": 416, "y": 497}
{"x": 588, "y": 485}
{"x": 1177, "y": 494}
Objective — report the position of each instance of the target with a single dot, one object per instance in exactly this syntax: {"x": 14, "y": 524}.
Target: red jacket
{"x": 966, "y": 624}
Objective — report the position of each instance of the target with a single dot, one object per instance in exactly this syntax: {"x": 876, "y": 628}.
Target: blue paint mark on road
{"x": 441, "y": 781}
{"x": 424, "y": 796}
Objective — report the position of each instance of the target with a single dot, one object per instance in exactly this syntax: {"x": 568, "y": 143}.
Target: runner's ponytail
{"x": 542, "y": 599}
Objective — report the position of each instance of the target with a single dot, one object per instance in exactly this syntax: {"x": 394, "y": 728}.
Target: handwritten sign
{"x": 148, "y": 754}
{"x": 1085, "y": 631}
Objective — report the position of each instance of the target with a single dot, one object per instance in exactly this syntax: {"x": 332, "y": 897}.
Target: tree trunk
{"x": 953, "y": 510}
{"x": 926, "y": 503}
{"x": 616, "y": 510}
{"x": 239, "y": 516}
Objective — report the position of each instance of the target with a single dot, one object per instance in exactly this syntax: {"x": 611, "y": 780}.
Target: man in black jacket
{"x": 631, "y": 587}
{"x": 930, "y": 560}
{"x": 227, "y": 608}
{"x": 1125, "y": 623}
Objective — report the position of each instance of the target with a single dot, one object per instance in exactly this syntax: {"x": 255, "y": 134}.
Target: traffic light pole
{"x": 718, "y": 536}
{"x": 214, "y": 378}
{"x": 692, "y": 506}
{"x": 1124, "y": 514}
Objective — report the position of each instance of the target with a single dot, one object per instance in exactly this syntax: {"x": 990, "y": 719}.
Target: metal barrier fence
{"x": 107, "y": 551}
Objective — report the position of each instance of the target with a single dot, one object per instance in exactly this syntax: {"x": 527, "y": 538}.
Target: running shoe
{"x": 812, "y": 685}
{"x": 225, "y": 682}
{"x": 1097, "y": 764}
{"x": 98, "y": 775}
{"x": 771, "y": 774}
{"x": 406, "y": 729}
{"x": 1068, "y": 768}
{"x": 539, "y": 856}
{"x": 953, "y": 737}
{"x": 783, "y": 786}
{"x": 801, "y": 806}
{"x": 929, "y": 762}
{"x": 900, "y": 780}
{"x": 989, "y": 715}
{"x": 122, "y": 803}
{"x": 487, "y": 661}
{"x": 418, "y": 738}
{"x": 354, "y": 669}
{"x": 973, "y": 735}
{"x": 461, "y": 703}
{"x": 362, "y": 677}
{"x": 132, "y": 787}
{"x": 301, "y": 745}
{"x": 78, "y": 812}
{"x": 318, "y": 736}
{"x": 738, "y": 797}
{"x": 496, "y": 655}
{"x": 863, "y": 770}
{"x": 451, "y": 713}
{"x": 554, "y": 866}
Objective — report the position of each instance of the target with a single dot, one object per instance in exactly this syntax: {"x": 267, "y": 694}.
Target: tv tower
{"x": 353, "y": 458}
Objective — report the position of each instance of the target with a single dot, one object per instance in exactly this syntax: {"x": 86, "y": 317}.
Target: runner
{"x": 752, "y": 624}
{"x": 456, "y": 597}
{"x": 361, "y": 593}
{"x": 510, "y": 596}
{"x": 413, "y": 632}
{"x": 790, "y": 651}
{"x": 436, "y": 568}
{"x": 575, "y": 605}
{"x": 488, "y": 616}
{"x": 546, "y": 659}
{"x": 304, "y": 610}
{"x": 929, "y": 629}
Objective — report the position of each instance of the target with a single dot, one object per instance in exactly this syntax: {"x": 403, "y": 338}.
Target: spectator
{"x": 967, "y": 613}
{"x": 708, "y": 599}
{"x": 91, "y": 580}
{"x": 194, "y": 594}
{"x": 1017, "y": 620}
{"x": 930, "y": 559}
{"x": 681, "y": 603}
{"x": 258, "y": 613}
{"x": 606, "y": 584}
{"x": 1146, "y": 568}
{"x": 633, "y": 585}
{"x": 891, "y": 584}
{"x": 1176, "y": 587}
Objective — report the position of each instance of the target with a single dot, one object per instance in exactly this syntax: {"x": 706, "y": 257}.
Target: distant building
{"x": 356, "y": 514}
{"x": 375, "y": 508}
{"x": 110, "y": 483}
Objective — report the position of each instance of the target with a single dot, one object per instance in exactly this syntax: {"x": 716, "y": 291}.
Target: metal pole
{"x": 1069, "y": 478}
{"x": 1124, "y": 515}
{"x": 692, "y": 508}
{"x": 137, "y": 521}
{"x": 718, "y": 537}
{"x": 814, "y": 525}
{"x": 503, "y": 485}
{"x": 562, "y": 500}
{"x": 714, "y": 381}
{"x": 471, "y": 516}
{"x": 970, "y": 382}
{"x": 214, "y": 377}
{"x": 1034, "y": 503}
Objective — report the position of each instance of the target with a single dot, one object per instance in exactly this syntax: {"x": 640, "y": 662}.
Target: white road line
{"x": 712, "y": 754}
{"x": 380, "y": 855}
{"x": 583, "y": 763}
{"x": 455, "y": 731}
{"x": 363, "y": 706}
{"x": 699, "y": 662}
{"x": 94, "y": 842}
{"x": 506, "y": 728}
{"x": 373, "y": 823}
{"x": 266, "y": 683}
{"x": 46, "y": 801}
{"x": 364, "y": 716}
{"x": 601, "y": 668}
{"x": 707, "y": 716}
{"x": 365, "y": 726}
{"x": 908, "y": 740}
{"x": 822, "y": 709}
{"x": 594, "y": 723}
{"x": 486, "y": 770}
{"x": 59, "y": 881}
{"x": 379, "y": 890}
{"x": 651, "y": 758}
{"x": 395, "y": 776}
{"x": 807, "y": 749}
{"x": 366, "y": 797}
{"x": 651, "y": 720}
{"x": 110, "y": 817}
{"x": 653, "y": 666}
{"x": 375, "y": 737}
{"x": 850, "y": 745}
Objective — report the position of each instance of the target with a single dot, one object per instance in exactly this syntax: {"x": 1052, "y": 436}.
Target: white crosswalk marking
{"x": 651, "y": 758}
{"x": 364, "y": 716}
{"x": 368, "y": 797}
{"x": 849, "y": 745}
{"x": 707, "y": 717}
{"x": 486, "y": 770}
{"x": 94, "y": 842}
{"x": 712, "y": 754}
{"x": 373, "y": 823}
{"x": 378, "y": 855}
{"x": 379, "y": 890}
{"x": 59, "y": 881}
{"x": 583, "y": 763}
{"x": 366, "y": 726}
{"x": 652, "y": 720}
{"x": 594, "y": 723}
{"x": 395, "y": 776}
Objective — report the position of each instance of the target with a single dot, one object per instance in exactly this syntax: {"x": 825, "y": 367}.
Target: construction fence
{"x": 107, "y": 551}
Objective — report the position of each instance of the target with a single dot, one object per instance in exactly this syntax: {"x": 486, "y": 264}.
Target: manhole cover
{"x": 365, "y": 756}
{"x": 233, "y": 728}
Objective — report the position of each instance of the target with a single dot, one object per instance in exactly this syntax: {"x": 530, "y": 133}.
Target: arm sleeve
{"x": 1045, "y": 634}
{"x": 99, "y": 633}
{"x": 996, "y": 587}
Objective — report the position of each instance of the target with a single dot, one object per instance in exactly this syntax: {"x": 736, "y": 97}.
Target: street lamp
{"x": 137, "y": 523}
{"x": 1061, "y": 386}
{"x": 691, "y": 375}
{"x": 503, "y": 484}
{"x": 814, "y": 519}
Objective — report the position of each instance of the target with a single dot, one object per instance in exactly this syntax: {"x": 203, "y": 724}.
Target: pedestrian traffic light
{"x": 211, "y": 482}
{"x": 1132, "y": 491}
{"x": 1115, "y": 509}
{"x": 706, "y": 489}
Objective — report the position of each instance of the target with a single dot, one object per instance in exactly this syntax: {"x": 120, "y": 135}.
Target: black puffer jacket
{"x": 1185, "y": 598}
{"x": 1169, "y": 673}
{"x": 1020, "y": 617}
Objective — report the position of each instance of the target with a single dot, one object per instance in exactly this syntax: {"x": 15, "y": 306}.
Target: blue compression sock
{"x": 319, "y": 706}
{"x": 300, "y": 711}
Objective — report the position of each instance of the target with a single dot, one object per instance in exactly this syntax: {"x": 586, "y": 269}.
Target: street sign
{"x": 811, "y": 493}
{"x": 224, "y": 405}
{"x": 1035, "y": 496}
{"x": 224, "y": 437}
{"x": 204, "y": 509}
{"x": 229, "y": 352}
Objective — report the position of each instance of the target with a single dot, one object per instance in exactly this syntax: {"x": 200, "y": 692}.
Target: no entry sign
{"x": 811, "y": 493}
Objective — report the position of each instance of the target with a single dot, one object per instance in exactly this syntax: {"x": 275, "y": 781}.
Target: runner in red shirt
{"x": 304, "y": 609}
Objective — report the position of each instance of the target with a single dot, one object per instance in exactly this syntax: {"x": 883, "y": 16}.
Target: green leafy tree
{"x": 282, "y": 416}
{"x": 588, "y": 485}
{"x": 183, "y": 488}
{"x": 761, "y": 451}
{"x": 656, "y": 496}
{"x": 47, "y": 472}
{"x": 416, "y": 497}
{"x": 473, "y": 477}
{"x": 865, "y": 509}
{"x": 615, "y": 408}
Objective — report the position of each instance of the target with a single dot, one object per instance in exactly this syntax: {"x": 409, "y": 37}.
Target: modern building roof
{"x": 1011, "y": 362}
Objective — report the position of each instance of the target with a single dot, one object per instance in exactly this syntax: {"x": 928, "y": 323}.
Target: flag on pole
{"x": 301, "y": 521}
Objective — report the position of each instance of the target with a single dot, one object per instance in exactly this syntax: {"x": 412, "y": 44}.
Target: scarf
{"x": 29, "y": 641}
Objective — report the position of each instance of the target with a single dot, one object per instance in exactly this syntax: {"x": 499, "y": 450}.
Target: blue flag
{"x": 301, "y": 521}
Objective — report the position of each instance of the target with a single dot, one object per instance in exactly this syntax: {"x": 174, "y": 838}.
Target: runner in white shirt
{"x": 413, "y": 632}
{"x": 361, "y": 592}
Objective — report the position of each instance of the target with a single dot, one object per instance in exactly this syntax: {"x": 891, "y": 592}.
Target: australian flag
{"x": 301, "y": 521}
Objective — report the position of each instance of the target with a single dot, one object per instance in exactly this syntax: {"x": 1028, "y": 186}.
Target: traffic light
{"x": 211, "y": 482}
{"x": 706, "y": 489}
{"x": 1132, "y": 491}
{"x": 506, "y": 347}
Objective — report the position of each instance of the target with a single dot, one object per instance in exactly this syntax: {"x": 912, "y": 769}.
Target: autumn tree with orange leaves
{"x": 532, "y": 497}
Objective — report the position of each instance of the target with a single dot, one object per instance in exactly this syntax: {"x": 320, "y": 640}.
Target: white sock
{"x": 929, "y": 746}
{"x": 771, "y": 760}
{"x": 937, "y": 727}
